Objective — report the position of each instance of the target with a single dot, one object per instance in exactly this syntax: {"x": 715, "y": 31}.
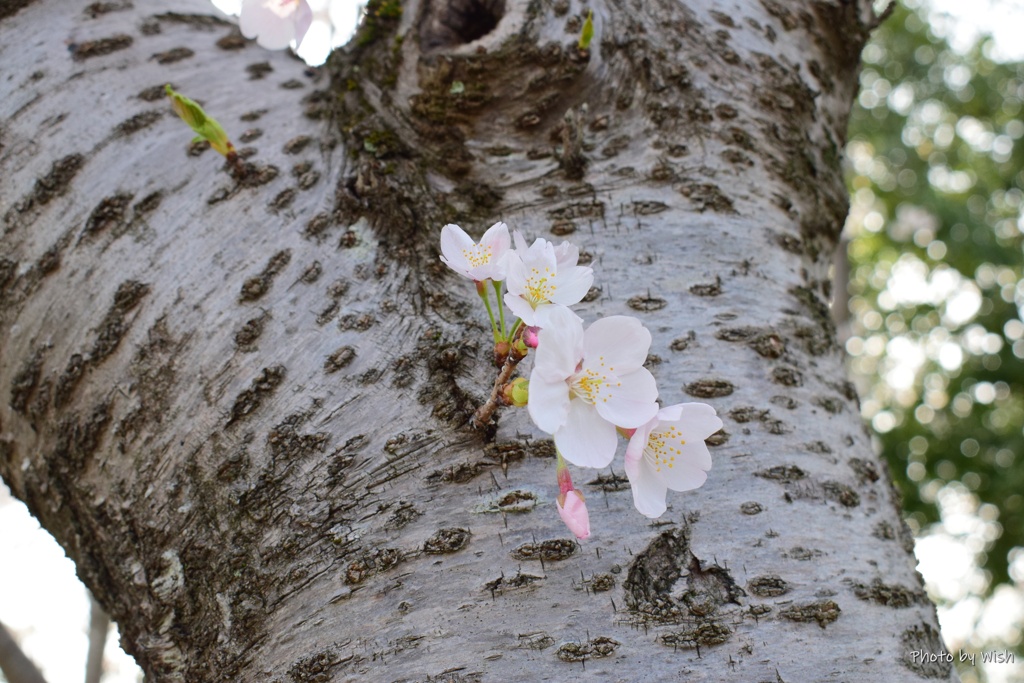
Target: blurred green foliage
{"x": 936, "y": 295}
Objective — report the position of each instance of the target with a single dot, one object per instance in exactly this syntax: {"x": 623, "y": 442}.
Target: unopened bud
{"x": 573, "y": 512}
{"x": 205, "y": 127}
{"x": 519, "y": 349}
{"x": 190, "y": 112}
{"x": 517, "y": 392}
{"x": 571, "y": 507}
{"x": 531, "y": 337}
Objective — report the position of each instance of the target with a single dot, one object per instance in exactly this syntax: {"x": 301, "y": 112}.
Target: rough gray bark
{"x": 241, "y": 406}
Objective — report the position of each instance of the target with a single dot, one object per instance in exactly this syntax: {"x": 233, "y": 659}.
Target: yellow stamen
{"x": 663, "y": 447}
{"x": 539, "y": 287}
{"x": 477, "y": 255}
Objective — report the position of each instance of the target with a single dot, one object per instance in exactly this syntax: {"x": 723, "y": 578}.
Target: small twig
{"x": 486, "y": 411}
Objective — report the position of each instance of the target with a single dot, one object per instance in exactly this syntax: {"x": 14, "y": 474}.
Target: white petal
{"x": 271, "y": 36}
{"x": 697, "y": 421}
{"x": 270, "y": 22}
{"x": 497, "y": 269}
{"x": 533, "y": 277}
{"x": 698, "y": 457}
{"x": 680, "y": 461}
{"x": 670, "y": 413}
{"x": 559, "y": 346}
{"x": 548, "y": 404}
{"x": 567, "y": 255}
{"x": 496, "y": 237}
{"x": 622, "y": 342}
{"x": 540, "y": 255}
{"x": 573, "y": 285}
{"x": 684, "y": 478}
{"x": 586, "y": 439}
{"x": 638, "y": 441}
{"x": 454, "y": 243}
{"x": 520, "y": 241}
{"x": 303, "y": 20}
{"x": 631, "y": 401}
{"x": 494, "y": 270}
{"x": 520, "y": 307}
{"x": 549, "y": 315}
{"x": 541, "y": 245}
{"x": 648, "y": 491}
{"x": 515, "y": 272}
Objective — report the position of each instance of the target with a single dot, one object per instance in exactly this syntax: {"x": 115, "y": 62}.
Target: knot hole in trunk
{"x": 456, "y": 22}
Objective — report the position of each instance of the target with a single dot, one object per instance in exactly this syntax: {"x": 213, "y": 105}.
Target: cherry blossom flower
{"x": 571, "y": 507}
{"x": 543, "y": 277}
{"x": 584, "y": 384}
{"x": 669, "y": 452}
{"x": 275, "y": 23}
{"x": 478, "y": 262}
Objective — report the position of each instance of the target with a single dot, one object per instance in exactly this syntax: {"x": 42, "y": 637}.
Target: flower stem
{"x": 516, "y": 327}
{"x": 501, "y": 309}
{"x": 482, "y": 291}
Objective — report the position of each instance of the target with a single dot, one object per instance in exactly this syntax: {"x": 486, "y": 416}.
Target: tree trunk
{"x": 242, "y": 404}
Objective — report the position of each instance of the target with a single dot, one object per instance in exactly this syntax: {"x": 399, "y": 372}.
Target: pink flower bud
{"x": 571, "y": 507}
{"x": 530, "y": 336}
{"x": 573, "y": 512}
